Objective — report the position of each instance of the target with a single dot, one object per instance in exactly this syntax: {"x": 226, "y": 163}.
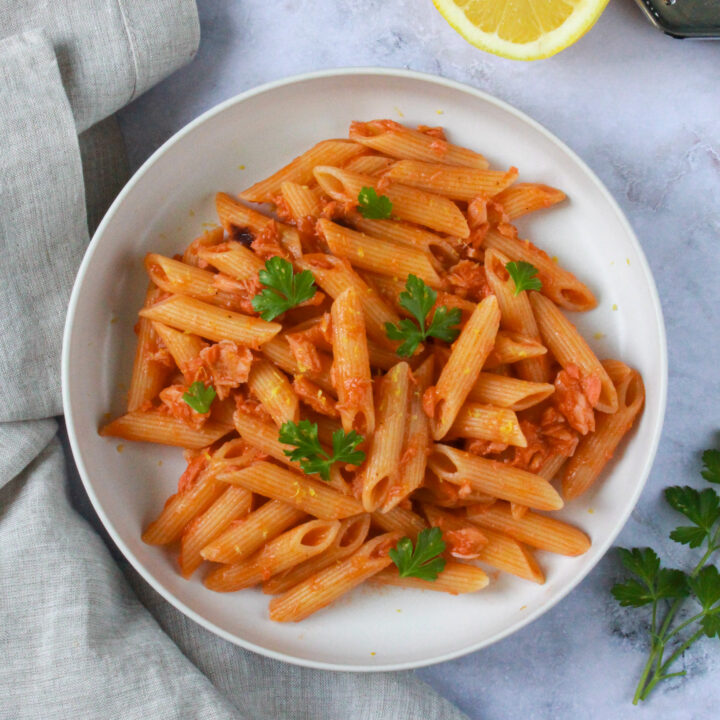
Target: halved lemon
{"x": 521, "y": 29}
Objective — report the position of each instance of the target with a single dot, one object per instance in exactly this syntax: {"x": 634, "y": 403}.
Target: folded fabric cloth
{"x": 82, "y": 636}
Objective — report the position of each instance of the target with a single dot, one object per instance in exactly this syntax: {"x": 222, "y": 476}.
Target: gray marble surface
{"x": 642, "y": 110}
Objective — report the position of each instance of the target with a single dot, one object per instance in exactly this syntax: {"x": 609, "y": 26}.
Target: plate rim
{"x": 107, "y": 219}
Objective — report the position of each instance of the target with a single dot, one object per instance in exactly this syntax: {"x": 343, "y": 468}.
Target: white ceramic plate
{"x": 165, "y": 205}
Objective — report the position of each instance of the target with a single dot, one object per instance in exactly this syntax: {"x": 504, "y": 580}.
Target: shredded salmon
{"x": 282, "y": 209}
{"x": 429, "y": 401}
{"x": 464, "y": 544}
{"x": 315, "y": 397}
{"x": 251, "y": 407}
{"x": 575, "y": 397}
{"x": 468, "y": 280}
{"x": 304, "y": 352}
{"x": 192, "y": 472}
{"x": 226, "y": 365}
{"x": 551, "y": 436}
{"x": 337, "y": 210}
{"x": 308, "y": 237}
{"x": 237, "y": 294}
{"x": 267, "y": 243}
{"x": 485, "y": 447}
{"x": 356, "y": 391}
{"x": 172, "y": 403}
{"x": 206, "y": 240}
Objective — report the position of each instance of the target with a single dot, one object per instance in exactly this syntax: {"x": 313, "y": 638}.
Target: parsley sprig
{"x": 424, "y": 560}
{"x": 661, "y": 587}
{"x": 524, "y": 275}
{"x": 199, "y": 397}
{"x": 284, "y": 288}
{"x": 373, "y": 206}
{"x": 418, "y": 299}
{"x": 310, "y": 454}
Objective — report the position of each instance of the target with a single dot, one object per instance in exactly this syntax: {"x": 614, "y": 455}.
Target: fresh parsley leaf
{"x": 655, "y": 582}
{"x": 700, "y": 507}
{"x": 373, "y": 206}
{"x": 418, "y": 299}
{"x": 711, "y": 624}
{"x": 689, "y": 535}
{"x": 284, "y": 288}
{"x": 199, "y": 397}
{"x": 711, "y": 466}
{"x": 706, "y": 587}
{"x": 524, "y": 276}
{"x": 310, "y": 454}
{"x": 424, "y": 560}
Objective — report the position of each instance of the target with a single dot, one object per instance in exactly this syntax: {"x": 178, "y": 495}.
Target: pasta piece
{"x": 368, "y": 164}
{"x": 234, "y": 503}
{"x": 334, "y": 275}
{"x": 569, "y": 348}
{"x": 523, "y": 198}
{"x": 416, "y": 441}
{"x": 329, "y": 584}
{"x": 210, "y": 322}
{"x": 278, "y": 351}
{"x": 351, "y": 366}
{"x": 401, "y": 520}
{"x": 539, "y": 531}
{"x": 181, "y": 508}
{"x": 350, "y": 537}
{"x": 285, "y": 551}
{"x": 435, "y": 491}
{"x": 561, "y": 286}
{"x": 244, "y": 537}
{"x": 191, "y": 256}
{"x": 498, "y": 550}
{"x": 158, "y": 427}
{"x": 433, "y": 211}
{"x": 149, "y": 373}
{"x": 301, "y": 200}
{"x": 493, "y": 478}
{"x": 508, "y": 392}
{"x": 596, "y": 449}
{"x": 174, "y": 276}
{"x": 300, "y": 170}
{"x": 455, "y": 578}
{"x": 438, "y": 247}
{"x": 486, "y": 422}
{"x": 512, "y": 348}
{"x": 383, "y": 458}
{"x": 272, "y": 388}
{"x": 233, "y": 259}
{"x": 312, "y": 496}
{"x": 468, "y": 355}
{"x": 516, "y": 315}
{"x": 183, "y": 347}
{"x": 378, "y": 255}
{"x": 456, "y": 183}
{"x": 395, "y": 140}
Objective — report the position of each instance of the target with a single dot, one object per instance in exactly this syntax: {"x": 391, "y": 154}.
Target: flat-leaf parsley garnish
{"x": 310, "y": 454}
{"x": 373, "y": 206}
{"x": 524, "y": 276}
{"x": 199, "y": 397}
{"x": 284, "y": 288}
{"x": 424, "y": 560}
{"x": 418, "y": 299}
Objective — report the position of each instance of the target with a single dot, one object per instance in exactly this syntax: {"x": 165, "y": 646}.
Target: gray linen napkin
{"x": 75, "y": 638}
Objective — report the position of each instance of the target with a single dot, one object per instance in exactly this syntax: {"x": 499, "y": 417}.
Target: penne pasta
{"x": 155, "y": 426}
{"x": 300, "y": 170}
{"x": 487, "y": 422}
{"x": 539, "y": 531}
{"x": 508, "y": 392}
{"x": 278, "y": 351}
{"x": 523, "y": 198}
{"x": 432, "y": 211}
{"x": 243, "y": 537}
{"x": 351, "y": 364}
{"x": 468, "y": 355}
{"x": 569, "y": 347}
{"x": 596, "y": 449}
{"x": 351, "y": 535}
{"x": 285, "y": 551}
{"x": 210, "y": 322}
{"x": 395, "y": 140}
{"x": 302, "y": 201}
{"x": 369, "y": 253}
{"x": 233, "y": 259}
{"x": 401, "y": 520}
{"x": 493, "y": 478}
{"x": 312, "y": 496}
{"x": 368, "y": 164}
{"x": 455, "y": 578}
{"x": 383, "y": 457}
{"x": 456, "y": 183}
{"x": 561, "y": 286}
{"x": 272, "y": 388}
{"x": 512, "y": 348}
{"x": 329, "y": 584}
{"x": 183, "y": 347}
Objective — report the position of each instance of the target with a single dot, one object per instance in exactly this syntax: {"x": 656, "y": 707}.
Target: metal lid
{"x": 684, "y": 18}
